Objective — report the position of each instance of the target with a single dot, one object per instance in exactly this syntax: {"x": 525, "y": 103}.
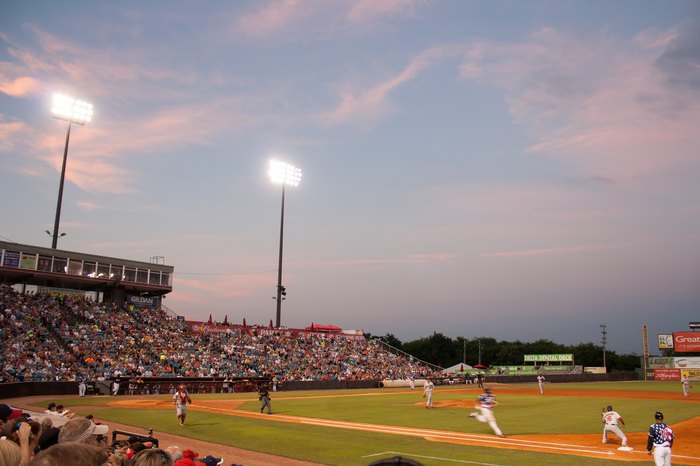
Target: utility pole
{"x": 604, "y": 341}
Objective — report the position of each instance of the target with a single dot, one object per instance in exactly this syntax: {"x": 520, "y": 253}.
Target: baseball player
{"x": 661, "y": 439}
{"x": 485, "y": 404}
{"x": 540, "y": 382}
{"x": 685, "y": 382}
{"x": 428, "y": 393}
{"x": 264, "y": 397}
{"x": 611, "y": 419}
{"x": 181, "y": 399}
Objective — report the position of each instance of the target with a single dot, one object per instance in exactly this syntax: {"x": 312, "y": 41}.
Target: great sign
{"x": 686, "y": 342}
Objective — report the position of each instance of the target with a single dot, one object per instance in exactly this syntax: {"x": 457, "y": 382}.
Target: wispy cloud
{"x": 441, "y": 257}
{"x": 611, "y": 114}
{"x": 552, "y": 251}
{"x": 370, "y": 103}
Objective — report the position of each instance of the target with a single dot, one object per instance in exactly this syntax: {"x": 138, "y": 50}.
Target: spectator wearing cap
{"x": 210, "y": 460}
{"x": 8, "y": 413}
{"x": 188, "y": 457}
{"x": 83, "y": 431}
{"x": 72, "y": 453}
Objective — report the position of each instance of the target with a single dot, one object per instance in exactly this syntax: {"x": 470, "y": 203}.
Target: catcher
{"x": 611, "y": 419}
{"x": 181, "y": 399}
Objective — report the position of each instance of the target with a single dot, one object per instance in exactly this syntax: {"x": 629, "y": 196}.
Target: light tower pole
{"x": 284, "y": 174}
{"x": 604, "y": 341}
{"x": 73, "y": 111}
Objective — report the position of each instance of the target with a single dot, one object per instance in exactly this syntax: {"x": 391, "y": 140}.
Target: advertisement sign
{"x": 686, "y": 342}
{"x": 656, "y": 362}
{"x": 692, "y": 374}
{"x": 667, "y": 374}
{"x": 549, "y": 358}
{"x": 142, "y": 302}
{"x": 11, "y": 259}
{"x": 665, "y": 341}
{"x": 687, "y": 363}
{"x": 27, "y": 261}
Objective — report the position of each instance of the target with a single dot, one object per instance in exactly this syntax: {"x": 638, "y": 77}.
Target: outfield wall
{"x": 210, "y": 385}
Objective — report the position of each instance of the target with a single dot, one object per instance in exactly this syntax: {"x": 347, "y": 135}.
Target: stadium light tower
{"x": 73, "y": 111}
{"x": 284, "y": 174}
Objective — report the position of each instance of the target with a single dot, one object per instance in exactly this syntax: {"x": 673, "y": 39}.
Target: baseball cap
{"x": 7, "y": 412}
{"x": 79, "y": 430}
{"x": 210, "y": 460}
{"x": 189, "y": 454}
{"x": 658, "y": 415}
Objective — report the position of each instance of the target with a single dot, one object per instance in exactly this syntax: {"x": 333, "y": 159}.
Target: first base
{"x": 625, "y": 448}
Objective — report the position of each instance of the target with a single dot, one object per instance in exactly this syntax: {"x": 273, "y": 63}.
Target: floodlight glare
{"x": 70, "y": 109}
{"x": 284, "y": 173}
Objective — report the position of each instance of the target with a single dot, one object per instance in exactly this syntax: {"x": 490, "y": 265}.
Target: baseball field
{"x": 357, "y": 427}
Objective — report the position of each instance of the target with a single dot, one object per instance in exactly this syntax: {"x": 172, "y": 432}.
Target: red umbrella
{"x": 479, "y": 366}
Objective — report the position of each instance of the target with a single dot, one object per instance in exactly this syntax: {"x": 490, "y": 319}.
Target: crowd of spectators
{"x": 35, "y": 440}
{"x": 47, "y": 338}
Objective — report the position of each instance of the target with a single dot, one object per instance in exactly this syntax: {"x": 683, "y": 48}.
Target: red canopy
{"x": 323, "y": 328}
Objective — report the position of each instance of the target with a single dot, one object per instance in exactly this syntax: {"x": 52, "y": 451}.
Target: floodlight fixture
{"x": 73, "y": 111}
{"x": 694, "y": 325}
{"x": 284, "y": 174}
{"x": 70, "y": 109}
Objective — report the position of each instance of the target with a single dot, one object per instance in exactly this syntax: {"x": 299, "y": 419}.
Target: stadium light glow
{"x": 73, "y": 111}
{"x": 284, "y": 174}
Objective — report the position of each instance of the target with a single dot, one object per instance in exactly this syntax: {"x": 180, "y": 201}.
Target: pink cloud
{"x": 410, "y": 259}
{"x": 370, "y": 103}
{"x": 273, "y": 18}
{"x": 20, "y": 87}
{"x": 224, "y": 286}
{"x": 551, "y": 251}
{"x": 368, "y": 10}
{"x": 8, "y": 132}
{"x": 610, "y": 114}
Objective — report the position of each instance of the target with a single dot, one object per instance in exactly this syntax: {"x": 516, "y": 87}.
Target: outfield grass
{"x": 516, "y": 415}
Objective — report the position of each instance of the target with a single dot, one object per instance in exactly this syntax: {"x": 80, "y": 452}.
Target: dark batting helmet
{"x": 609, "y": 407}
{"x": 659, "y": 416}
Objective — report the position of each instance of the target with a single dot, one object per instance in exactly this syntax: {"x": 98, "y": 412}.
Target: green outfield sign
{"x": 549, "y": 358}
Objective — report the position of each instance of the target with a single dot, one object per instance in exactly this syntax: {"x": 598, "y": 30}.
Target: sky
{"x": 519, "y": 170}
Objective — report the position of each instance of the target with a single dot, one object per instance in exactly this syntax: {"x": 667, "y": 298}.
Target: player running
{"x": 485, "y": 404}
{"x": 611, "y": 419}
{"x": 181, "y": 399}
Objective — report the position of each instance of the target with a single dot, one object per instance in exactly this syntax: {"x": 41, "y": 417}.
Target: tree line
{"x": 445, "y": 352}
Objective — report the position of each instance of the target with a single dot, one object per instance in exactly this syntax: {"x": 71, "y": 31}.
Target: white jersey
{"x": 611, "y": 418}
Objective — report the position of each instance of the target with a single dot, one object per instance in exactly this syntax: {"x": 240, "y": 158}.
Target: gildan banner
{"x": 686, "y": 342}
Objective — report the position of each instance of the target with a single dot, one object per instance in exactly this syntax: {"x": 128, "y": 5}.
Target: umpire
{"x": 264, "y": 396}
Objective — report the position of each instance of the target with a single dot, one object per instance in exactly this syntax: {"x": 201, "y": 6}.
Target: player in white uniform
{"x": 485, "y": 404}
{"x": 428, "y": 393}
{"x": 685, "y": 381}
{"x": 181, "y": 399}
{"x": 611, "y": 419}
{"x": 540, "y": 382}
